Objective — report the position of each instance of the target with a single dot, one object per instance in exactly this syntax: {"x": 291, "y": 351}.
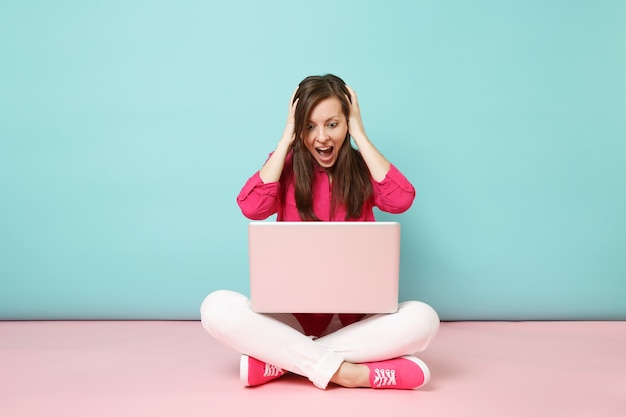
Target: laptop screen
{"x": 324, "y": 267}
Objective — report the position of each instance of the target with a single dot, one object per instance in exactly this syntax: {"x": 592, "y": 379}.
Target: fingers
{"x": 292, "y": 111}
{"x": 293, "y": 95}
{"x": 293, "y": 103}
{"x": 352, "y": 95}
{"x": 355, "y": 124}
{"x": 289, "y": 133}
{"x": 354, "y": 104}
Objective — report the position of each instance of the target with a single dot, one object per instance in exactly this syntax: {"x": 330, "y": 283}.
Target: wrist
{"x": 284, "y": 143}
{"x": 359, "y": 137}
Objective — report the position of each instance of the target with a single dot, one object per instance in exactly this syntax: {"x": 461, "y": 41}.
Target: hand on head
{"x": 289, "y": 132}
{"x": 355, "y": 123}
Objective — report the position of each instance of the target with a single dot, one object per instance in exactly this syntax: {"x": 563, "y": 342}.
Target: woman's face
{"x": 325, "y": 131}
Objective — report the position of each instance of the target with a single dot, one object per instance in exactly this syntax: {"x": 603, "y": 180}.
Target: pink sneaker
{"x": 406, "y": 372}
{"x": 254, "y": 372}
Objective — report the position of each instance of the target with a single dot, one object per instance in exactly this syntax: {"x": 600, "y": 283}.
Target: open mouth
{"x": 325, "y": 153}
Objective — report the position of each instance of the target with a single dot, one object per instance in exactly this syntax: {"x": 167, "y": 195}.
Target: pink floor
{"x": 150, "y": 368}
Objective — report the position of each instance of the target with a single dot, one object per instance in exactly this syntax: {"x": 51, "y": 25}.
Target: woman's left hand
{"x": 376, "y": 162}
{"x": 355, "y": 123}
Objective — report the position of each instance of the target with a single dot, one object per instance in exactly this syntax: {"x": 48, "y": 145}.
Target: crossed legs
{"x": 335, "y": 357}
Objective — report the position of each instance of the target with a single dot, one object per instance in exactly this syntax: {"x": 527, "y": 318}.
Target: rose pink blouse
{"x": 258, "y": 201}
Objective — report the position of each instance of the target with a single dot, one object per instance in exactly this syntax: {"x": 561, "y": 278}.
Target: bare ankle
{"x": 351, "y": 375}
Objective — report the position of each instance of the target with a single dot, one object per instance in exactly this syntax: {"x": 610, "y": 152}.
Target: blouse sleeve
{"x": 394, "y": 194}
{"x": 258, "y": 200}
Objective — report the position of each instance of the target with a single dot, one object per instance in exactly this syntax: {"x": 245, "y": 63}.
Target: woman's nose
{"x": 322, "y": 136}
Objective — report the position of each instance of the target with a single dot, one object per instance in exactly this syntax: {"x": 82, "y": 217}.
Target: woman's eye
{"x": 332, "y": 125}
{"x": 309, "y": 127}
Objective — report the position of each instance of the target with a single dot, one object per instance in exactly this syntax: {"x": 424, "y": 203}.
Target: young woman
{"x": 315, "y": 174}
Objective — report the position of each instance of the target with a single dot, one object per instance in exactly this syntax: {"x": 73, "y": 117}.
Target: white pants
{"x": 277, "y": 339}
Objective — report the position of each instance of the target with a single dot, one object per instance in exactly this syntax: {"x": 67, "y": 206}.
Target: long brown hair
{"x": 352, "y": 186}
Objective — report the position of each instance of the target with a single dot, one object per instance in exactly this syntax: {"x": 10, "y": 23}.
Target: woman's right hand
{"x": 289, "y": 133}
{"x": 273, "y": 167}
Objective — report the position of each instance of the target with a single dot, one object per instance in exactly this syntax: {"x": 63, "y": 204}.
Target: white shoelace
{"x": 271, "y": 370}
{"x": 384, "y": 377}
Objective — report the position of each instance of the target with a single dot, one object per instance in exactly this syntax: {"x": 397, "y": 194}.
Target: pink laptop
{"x": 324, "y": 267}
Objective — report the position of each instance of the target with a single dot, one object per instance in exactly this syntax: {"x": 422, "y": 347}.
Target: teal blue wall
{"x": 127, "y": 129}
